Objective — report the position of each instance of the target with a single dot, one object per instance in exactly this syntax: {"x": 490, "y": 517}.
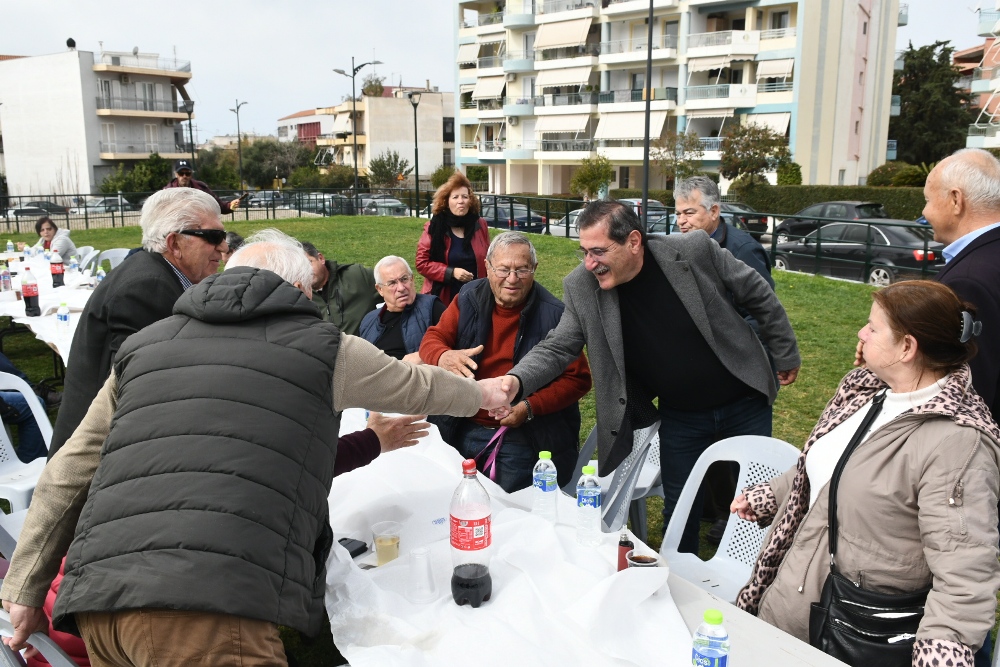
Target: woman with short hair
{"x": 50, "y": 237}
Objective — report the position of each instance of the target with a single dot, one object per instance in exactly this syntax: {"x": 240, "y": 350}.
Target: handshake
{"x": 498, "y": 393}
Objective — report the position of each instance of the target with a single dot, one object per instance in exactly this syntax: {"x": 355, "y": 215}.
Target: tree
{"x": 593, "y": 174}
{"x": 219, "y": 168}
{"x": 789, "y": 173}
{"x": 477, "y": 173}
{"x": 882, "y": 175}
{"x": 935, "y": 114}
{"x": 372, "y": 86}
{"x": 267, "y": 159}
{"x": 385, "y": 169}
{"x": 912, "y": 176}
{"x": 677, "y": 156}
{"x": 144, "y": 176}
{"x": 441, "y": 175}
{"x": 751, "y": 150}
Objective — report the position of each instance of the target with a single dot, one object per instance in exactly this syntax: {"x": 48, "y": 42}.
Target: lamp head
{"x": 414, "y": 98}
{"x": 340, "y": 71}
{"x": 188, "y": 106}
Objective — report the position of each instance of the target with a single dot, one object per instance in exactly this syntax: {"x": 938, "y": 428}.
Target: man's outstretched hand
{"x": 26, "y": 621}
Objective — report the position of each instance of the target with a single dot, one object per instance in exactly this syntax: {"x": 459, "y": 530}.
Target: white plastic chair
{"x": 45, "y": 645}
{"x": 17, "y": 480}
{"x": 760, "y": 459}
{"x": 83, "y": 251}
{"x": 89, "y": 260}
{"x": 10, "y": 531}
{"x": 10, "y": 382}
{"x": 115, "y": 256}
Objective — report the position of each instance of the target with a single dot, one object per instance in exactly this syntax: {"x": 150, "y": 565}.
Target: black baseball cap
{"x": 182, "y": 164}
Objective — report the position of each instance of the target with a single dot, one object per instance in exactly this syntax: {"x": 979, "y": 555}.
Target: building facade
{"x": 305, "y": 126}
{"x": 983, "y": 81}
{"x": 70, "y": 118}
{"x": 543, "y": 84}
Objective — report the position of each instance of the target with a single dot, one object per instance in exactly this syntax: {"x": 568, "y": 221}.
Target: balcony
{"x": 895, "y": 104}
{"x": 890, "y": 149}
{"x": 734, "y": 95}
{"x": 615, "y": 7}
{"x": 983, "y": 136}
{"x": 898, "y": 63}
{"x": 711, "y": 148}
{"x": 779, "y": 38}
{"x": 634, "y": 50}
{"x": 490, "y": 150}
{"x": 982, "y": 79}
{"x": 519, "y": 106}
{"x": 523, "y": 150}
{"x": 490, "y": 108}
{"x": 576, "y": 8}
{"x": 724, "y": 43}
{"x": 580, "y": 146}
{"x": 130, "y": 106}
{"x": 341, "y": 139}
{"x": 988, "y": 22}
{"x": 565, "y": 100}
{"x": 148, "y": 64}
{"x": 566, "y": 52}
{"x": 519, "y": 61}
{"x": 488, "y": 62}
{"x": 775, "y": 87}
{"x": 628, "y": 96}
{"x": 904, "y": 14}
{"x": 519, "y": 14}
{"x": 139, "y": 150}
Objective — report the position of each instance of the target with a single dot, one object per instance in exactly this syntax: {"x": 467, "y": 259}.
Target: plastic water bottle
{"x": 74, "y": 264}
{"x": 10, "y": 246}
{"x": 100, "y": 275}
{"x": 588, "y": 508}
{"x": 62, "y": 318}
{"x": 27, "y": 251}
{"x": 471, "y": 538}
{"x": 546, "y": 487}
{"x": 29, "y": 291}
{"x": 711, "y": 642}
{"x": 5, "y": 282}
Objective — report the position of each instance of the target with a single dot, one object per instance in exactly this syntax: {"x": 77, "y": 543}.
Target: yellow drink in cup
{"x": 385, "y": 536}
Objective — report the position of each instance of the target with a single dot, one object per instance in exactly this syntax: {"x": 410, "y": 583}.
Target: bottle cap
{"x": 545, "y": 455}
{"x": 62, "y": 304}
{"x": 713, "y": 617}
{"x": 589, "y": 470}
{"x": 468, "y": 466}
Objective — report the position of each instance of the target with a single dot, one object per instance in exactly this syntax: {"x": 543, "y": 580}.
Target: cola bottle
{"x": 57, "y": 269}
{"x": 470, "y": 540}
{"x": 29, "y": 290}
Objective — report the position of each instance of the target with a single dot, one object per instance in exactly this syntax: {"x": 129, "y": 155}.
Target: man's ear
{"x": 305, "y": 290}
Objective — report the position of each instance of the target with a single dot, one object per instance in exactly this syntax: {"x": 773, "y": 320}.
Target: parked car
{"x": 573, "y": 217}
{"x": 267, "y": 199}
{"x": 805, "y": 221}
{"x": 25, "y": 212}
{"x": 385, "y": 206}
{"x": 895, "y": 252}
{"x": 668, "y": 225}
{"x": 657, "y": 210}
{"x": 747, "y": 216}
{"x": 93, "y": 205}
{"x": 515, "y": 217}
{"x": 325, "y": 203}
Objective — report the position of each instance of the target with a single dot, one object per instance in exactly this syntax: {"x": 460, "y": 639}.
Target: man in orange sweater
{"x": 487, "y": 329}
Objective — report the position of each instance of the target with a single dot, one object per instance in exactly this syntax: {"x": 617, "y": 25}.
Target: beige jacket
{"x": 917, "y": 506}
{"x": 364, "y": 377}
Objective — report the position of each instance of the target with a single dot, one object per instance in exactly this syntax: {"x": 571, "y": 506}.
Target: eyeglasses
{"x": 597, "y": 253}
{"x": 404, "y": 281}
{"x": 502, "y": 272}
{"x": 213, "y": 236}
{"x": 184, "y": 173}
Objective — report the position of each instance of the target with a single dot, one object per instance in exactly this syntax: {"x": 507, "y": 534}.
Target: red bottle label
{"x": 31, "y": 289}
{"x": 57, "y": 267}
{"x": 470, "y": 534}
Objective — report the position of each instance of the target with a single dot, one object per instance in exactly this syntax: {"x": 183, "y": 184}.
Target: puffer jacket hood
{"x": 241, "y": 294}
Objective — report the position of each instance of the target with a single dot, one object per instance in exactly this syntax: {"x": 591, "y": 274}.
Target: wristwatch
{"x": 527, "y": 406}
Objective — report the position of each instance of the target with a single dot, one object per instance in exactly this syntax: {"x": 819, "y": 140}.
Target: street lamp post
{"x": 239, "y": 140}
{"x": 415, "y": 100}
{"x": 354, "y": 119}
{"x": 189, "y": 109}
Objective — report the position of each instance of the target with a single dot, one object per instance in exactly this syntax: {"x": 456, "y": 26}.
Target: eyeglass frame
{"x": 402, "y": 280}
{"x": 205, "y": 234}
{"x": 597, "y": 253}
{"x": 520, "y": 274}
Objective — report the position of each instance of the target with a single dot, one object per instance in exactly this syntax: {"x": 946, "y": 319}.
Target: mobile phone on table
{"x": 354, "y": 547}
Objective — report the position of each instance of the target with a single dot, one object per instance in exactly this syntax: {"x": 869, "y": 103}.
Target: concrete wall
{"x": 389, "y": 127}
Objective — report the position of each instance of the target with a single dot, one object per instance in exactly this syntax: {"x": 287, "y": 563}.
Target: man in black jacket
{"x": 183, "y": 240}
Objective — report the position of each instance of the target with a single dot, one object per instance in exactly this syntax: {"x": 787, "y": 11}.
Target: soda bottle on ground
{"x": 470, "y": 539}
{"x": 545, "y": 492}
{"x": 588, "y": 508}
{"x": 29, "y": 290}
{"x": 56, "y": 267}
{"x": 711, "y": 641}
{"x": 62, "y": 318}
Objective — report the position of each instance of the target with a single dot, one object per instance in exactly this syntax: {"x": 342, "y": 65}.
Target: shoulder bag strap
{"x": 859, "y": 435}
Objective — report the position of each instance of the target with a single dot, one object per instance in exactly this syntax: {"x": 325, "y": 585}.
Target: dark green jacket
{"x": 349, "y": 295}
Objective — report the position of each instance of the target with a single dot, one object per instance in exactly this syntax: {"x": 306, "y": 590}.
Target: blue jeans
{"x": 30, "y": 445}
{"x": 515, "y": 461}
{"x": 685, "y": 434}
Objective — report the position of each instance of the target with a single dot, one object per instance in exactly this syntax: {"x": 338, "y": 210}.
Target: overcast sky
{"x": 279, "y": 56}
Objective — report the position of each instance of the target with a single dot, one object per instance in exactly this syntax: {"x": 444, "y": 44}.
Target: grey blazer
{"x": 701, "y": 273}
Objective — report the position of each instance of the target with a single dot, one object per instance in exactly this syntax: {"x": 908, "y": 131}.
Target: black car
{"x": 515, "y": 217}
{"x": 267, "y": 199}
{"x": 744, "y": 217}
{"x": 877, "y": 253}
{"x": 806, "y": 220}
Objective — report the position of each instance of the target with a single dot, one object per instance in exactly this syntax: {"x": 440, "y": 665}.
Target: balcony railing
{"x": 134, "y": 104}
{"x": 707, "y": 92}
{"x": 495, "y": 104}
{"x": 145, "y": 62}
{"x": 569, "y": 52}
{"x": 989, "y": 16}
{"x": 490, "y": 61}
{"x": 983, "y": 130}
{"x": 518, "y": 55}
{"x": 566, "y": 145}
{"x": 890, "y": 149}
{"x": 522, "y": 7}
{"x": 775, "y": 87}
{"x": 619, "y": 96}
{"x": 963, "y": 83}
{"x": 904, "y": 14}
{"x": 983, "y": 73}
{"x": 142, "y": 147}
{"x": 778, "y": 33}
{"x": 490, "y": 19}
{"x": 711, "y": 143}
{"x": 637, "y": 45}
{"x": 896, "y": 101}
{"x": 553, "y": 6}
{"x": 340, "y": 135}
{"x": 710, "y": 39}
{"x": 565, "y": 99}
{"x": 468, "y": 104}
{"x": 483, "y": 146}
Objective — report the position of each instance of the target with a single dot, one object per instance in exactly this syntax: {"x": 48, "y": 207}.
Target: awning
{"x": 708, "y": 62}
{"x": 562, "y": 33}
{"x": 710, "y": 113}
{"x": 342, "y": 124}
{"x": 466, "y": 87}
{"x": 775, "y": 69}
{"x": 571, "y": 76}
{"x": 778, "y": 122}
{"x": 493, "y": 38}
{"x": 489, "y": 87}
{"x": 575, "y": 123}
{"x": 630, "y": 125}
{"x": 468, "y": 53}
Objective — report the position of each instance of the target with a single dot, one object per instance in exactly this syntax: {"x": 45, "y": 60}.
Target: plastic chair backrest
{"x": 115, "y": 256}
{"x": 10, "y": 382}
{"x": 89, "y": 260}
{"x": 83, "y": 251}
{"x": 618, "y": 495}
{"x": 584, "y": 458}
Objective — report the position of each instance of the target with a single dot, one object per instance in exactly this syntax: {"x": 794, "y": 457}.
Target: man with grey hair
{"x": 182, "y": 240}
{"x": 398, "y": 328}
{"x": 194, "y": 497}
{"x": 489, "y": 327}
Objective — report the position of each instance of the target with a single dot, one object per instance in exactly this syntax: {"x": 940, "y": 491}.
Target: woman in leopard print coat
{"x": 917, "y": 502}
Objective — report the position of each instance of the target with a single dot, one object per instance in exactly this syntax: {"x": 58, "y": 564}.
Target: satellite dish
{"x": 71, "y": 43}
{"x": 135, "y": 50}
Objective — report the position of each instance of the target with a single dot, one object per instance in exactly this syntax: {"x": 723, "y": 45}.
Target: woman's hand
{"x": 461, "y": 275}
{"x": 741, "y": 507}
{"x": 20, "y": 246}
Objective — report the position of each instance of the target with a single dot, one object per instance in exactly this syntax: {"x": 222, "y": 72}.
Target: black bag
{"x": 854, "y": 625}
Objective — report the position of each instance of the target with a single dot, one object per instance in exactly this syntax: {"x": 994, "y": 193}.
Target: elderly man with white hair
{"x": 183, "y": 240}
{"x": 193, "y": 498}
{"x": 399, "y": 326}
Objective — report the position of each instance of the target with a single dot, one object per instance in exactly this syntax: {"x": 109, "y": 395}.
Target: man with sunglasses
{"x": 657, "y": 324}
{"x": 184, "y": 178}
{"x": 182, "y": 240}
{"x": 487, "y": 328}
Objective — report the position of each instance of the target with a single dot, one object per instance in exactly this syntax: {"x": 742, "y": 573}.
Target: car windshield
{"x": 872, "y": 211}
{"x": 389, "y": 202}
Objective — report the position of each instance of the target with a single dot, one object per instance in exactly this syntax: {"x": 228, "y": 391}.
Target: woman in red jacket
{"x": 452, "y": 249}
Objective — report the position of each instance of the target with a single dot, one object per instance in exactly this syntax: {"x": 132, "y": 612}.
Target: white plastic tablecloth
{"x": 553, "y": 600}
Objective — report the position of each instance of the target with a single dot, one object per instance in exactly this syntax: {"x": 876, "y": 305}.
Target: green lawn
{"x": 825, "y": 314}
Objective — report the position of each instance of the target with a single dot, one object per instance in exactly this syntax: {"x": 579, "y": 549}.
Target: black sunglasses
{"x": 184, "y": 172}
{"x": 213, "y": 236}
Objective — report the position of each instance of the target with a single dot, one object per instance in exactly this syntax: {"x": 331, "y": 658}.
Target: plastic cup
{"x": 385, "y": 535}
{"x": 642, "y": 559}
{"x": 420, "y": 587}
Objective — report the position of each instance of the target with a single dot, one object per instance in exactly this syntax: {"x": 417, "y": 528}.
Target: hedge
{"x": 901, "y": 203}
{"x": 665, "y": 197}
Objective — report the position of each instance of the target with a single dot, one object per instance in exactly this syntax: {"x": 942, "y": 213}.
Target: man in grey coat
{"x": 657, "y": 323}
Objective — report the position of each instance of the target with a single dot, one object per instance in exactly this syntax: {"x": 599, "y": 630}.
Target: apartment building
{"x": 386, "y": 124}
{"x": 983, "y": 81}
{"x": 305, "y": 126}
{"x": 545, "y": 83}
{"x": 70, "y": 118}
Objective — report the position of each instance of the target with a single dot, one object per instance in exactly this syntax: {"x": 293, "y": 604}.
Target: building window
{"x": 449, "y": 157}
{"x": 861, "y": 78}
{"x": 841, "y": 175}
{"x": 283, "y": 131}
{"x": 857, "y": 126}
{"x": 864, "y": 28}
{"x": 449, "y": 130}
{"x": 638, "y": 78}
{"x": 779, "y": 20}
{"x": 623, "y": 177}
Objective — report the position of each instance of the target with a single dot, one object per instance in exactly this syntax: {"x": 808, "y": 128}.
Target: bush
{"x": 441, "y": 175}
{"x": 910, "y": 176}
{"x": 789, "y": 173}
{"x": 477, "y": 173}
{"x": 746, "y": 183}
{"x": 901, "y": 203}
{"x": 882, "y": 176}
